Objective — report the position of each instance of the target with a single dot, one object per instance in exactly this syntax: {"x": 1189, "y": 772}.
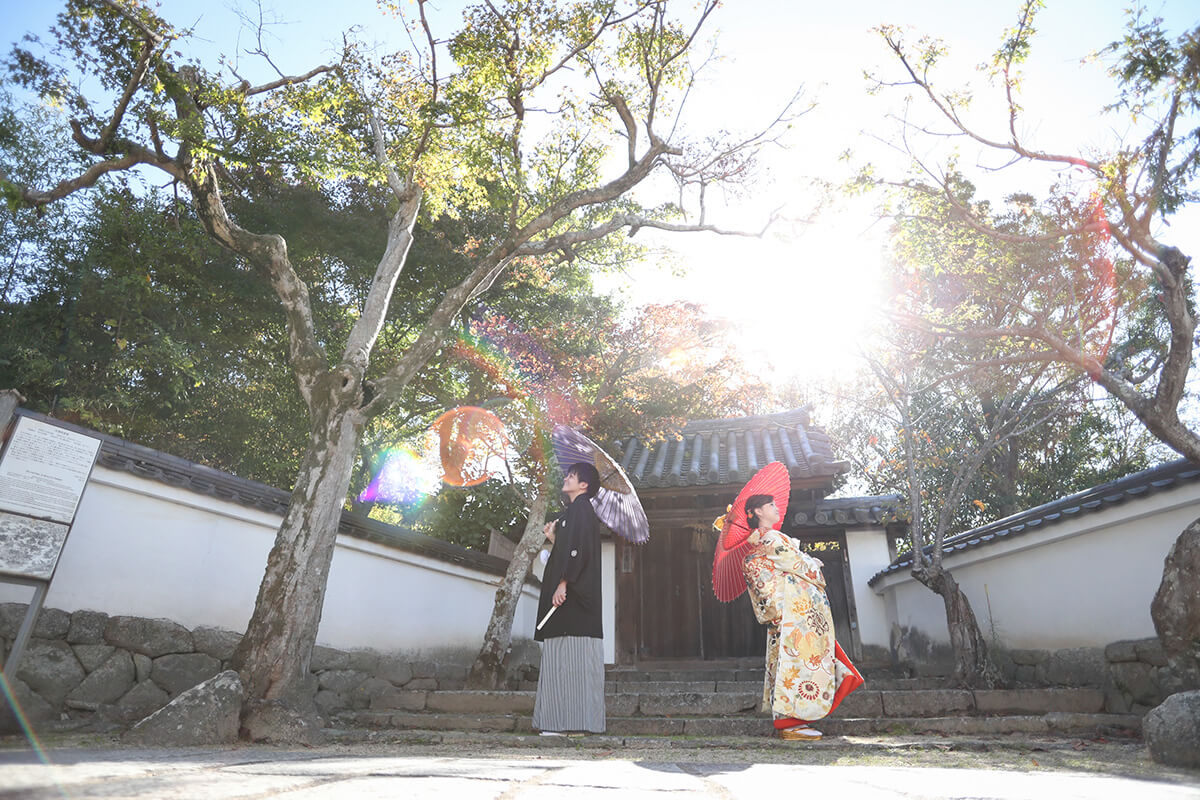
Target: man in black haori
{"x": 570, "y": 692}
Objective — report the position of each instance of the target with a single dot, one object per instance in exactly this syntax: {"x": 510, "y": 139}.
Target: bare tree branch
{"x": 131, "y": 154}
{"x": 286, "y": 80}
{"x": 133, "y": 19}
{"x": 135, "y": 79}
{"x": 632, "y": 221}
{"x": 399, "y": 188}
{"x": 948, "y": 112}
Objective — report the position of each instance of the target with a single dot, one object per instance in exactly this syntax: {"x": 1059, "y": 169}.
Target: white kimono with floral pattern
{"x": 787, "y": 591}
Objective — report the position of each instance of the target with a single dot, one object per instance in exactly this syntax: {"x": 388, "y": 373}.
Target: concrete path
{"x": 492, "y": 767}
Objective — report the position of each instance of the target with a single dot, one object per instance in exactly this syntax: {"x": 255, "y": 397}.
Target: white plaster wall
{"x": 141, "y": 548}
{"x": 608, "y": 594}
{"x": 867, "y": 552}
{"x": 1084, "y": 582}
{"x": 392, "y": 600}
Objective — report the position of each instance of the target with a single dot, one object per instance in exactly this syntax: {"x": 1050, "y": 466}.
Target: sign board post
{"x": 43, "y": 472}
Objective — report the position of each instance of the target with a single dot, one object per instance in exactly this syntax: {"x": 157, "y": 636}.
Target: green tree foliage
{"x": 31, "y": 144}
{"x": 143, "y": 328}
{"x": 1075, "y": 280}
{"x": 964, "y": 277}
{"x": 1088, "y": 443}
{"x": 445, "y": 126}
{"x": 1084, "y": 278}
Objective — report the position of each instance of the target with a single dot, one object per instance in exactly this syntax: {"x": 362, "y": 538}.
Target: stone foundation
{"x": 1134, "y": 675}
{"x": 915, "y": 655}
{"x": 1141, "y": 678}
{"x": 90, "y": 671}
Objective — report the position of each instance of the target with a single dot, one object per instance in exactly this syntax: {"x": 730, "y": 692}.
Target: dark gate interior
{"x": 680, "y": 617}
{"x": 833, "y": 555}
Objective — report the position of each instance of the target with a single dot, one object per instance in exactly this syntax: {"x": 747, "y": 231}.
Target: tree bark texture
{"x": 1007, "y": 464}
{"x": 273, "y": 656}
{"x": 488, "y": 670}
{"x": 9, "y": 400}
{"x": 971, "y": 665}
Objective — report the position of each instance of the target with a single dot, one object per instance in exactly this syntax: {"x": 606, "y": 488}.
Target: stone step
{"x": 1053, "y": 723}
{"x": 943, "y": 702}
{"x": 750, "y": 676}
{"x": 689, "y": 664}
{"x": 747, "y": 684}
{"x": 863, "y": 703}
{"x": 677, "y": 687}
{"x": 683, "y": 675}
{"x": 892, "y": 684}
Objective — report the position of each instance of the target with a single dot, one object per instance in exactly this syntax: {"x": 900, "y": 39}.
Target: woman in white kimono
{"x": 807, "y": 674}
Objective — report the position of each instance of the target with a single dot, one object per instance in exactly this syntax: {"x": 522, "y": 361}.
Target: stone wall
{"x": 1134, "y": 674}
{"x": 90, "y": 671}
{"x": 1141, "y": 678}
{"x": 1071, "y": 666}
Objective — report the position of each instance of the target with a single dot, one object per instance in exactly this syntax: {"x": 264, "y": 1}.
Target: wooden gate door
{"x": 730, "y": 629}
{"x": 832, "y": 554}
{"x": 670, "y": 596}
{"x": 680, "y": 616}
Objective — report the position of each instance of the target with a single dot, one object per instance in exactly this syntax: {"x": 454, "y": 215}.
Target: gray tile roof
{"x": 1133, "y": 487}
{"x": 118, "y": 454}
{"x": 842, "y": 511}
{"x": 730, "y": 451}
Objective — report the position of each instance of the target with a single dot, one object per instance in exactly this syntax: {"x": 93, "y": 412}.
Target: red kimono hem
{"x": 851, "y": 682}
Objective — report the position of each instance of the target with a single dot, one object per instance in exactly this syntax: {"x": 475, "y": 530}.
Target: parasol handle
{"x": 547, "y": 617}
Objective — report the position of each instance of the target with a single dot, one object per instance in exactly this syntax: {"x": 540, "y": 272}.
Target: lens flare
{"x": 467, "y": 445}
{"x": 463, "y": 447}
{"x": 472, "y": 444}
{"x": 521, "y": 365}
{"x": 22, "y": 720}
{"x": 1100, "y": 298}
{"x": 405, "y": 477}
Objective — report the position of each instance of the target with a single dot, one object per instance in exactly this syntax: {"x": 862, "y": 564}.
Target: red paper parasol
{"x": 734, "y": 544}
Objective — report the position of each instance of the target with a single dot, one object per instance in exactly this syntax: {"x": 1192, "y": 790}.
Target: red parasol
{"x": 734, "y": 544}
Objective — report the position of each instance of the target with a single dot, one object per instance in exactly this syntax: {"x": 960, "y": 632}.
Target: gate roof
{"x": 729, "y": 451}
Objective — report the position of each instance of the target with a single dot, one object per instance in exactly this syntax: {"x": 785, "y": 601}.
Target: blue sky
{"x": 767, "y": 48}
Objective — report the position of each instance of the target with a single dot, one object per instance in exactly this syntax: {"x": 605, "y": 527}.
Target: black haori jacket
{"x": 576, "y": 557}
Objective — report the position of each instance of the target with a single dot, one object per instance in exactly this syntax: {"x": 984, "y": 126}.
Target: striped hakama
{"x": 570, "y": 692}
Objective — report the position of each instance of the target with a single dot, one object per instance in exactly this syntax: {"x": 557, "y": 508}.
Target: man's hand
{"x": 560, "y": 594}
{"x": 549, "y": 531}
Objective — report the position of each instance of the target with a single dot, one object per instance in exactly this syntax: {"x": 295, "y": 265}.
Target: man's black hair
{"x": 586, "y": 473}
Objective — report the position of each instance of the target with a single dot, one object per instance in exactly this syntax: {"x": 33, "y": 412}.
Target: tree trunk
{"x": 1008, "y": 466}
{"x": 273, "y": 657}
{"x": 971, "y": 665}
{"x": 488, "y": 669}
{"x": 9, "y": 400}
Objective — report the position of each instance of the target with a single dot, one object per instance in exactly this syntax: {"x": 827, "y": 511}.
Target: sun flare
{"x": 800, "y": 308}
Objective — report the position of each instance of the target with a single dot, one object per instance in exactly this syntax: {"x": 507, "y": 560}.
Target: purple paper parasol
{"x": 616, "y": 503}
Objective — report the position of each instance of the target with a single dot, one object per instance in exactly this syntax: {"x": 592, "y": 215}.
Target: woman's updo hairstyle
{"x": 756, "y": 501}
